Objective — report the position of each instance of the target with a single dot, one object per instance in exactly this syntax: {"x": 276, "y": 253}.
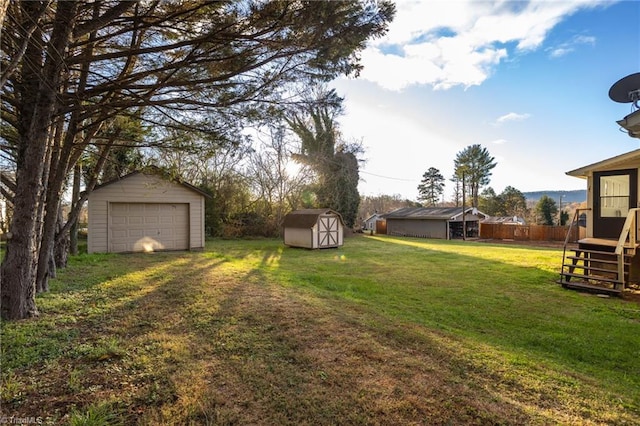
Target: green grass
{"x": 383, "y": 330}
{"x": 499, "y": 295}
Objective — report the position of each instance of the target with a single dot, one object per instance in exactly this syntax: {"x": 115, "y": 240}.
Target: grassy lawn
{"x": 381, "y": 331}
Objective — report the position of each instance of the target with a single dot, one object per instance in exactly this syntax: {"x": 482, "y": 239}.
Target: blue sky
{"x": 528, "y": 80}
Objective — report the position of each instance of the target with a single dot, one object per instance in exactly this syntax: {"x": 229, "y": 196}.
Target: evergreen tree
{"x": 346, "y": 185}
{"x": 546, "y": 210}
{"x": 431, "y": 187}
{"x": 490, "y": 203}
{"x": 335, "y": 163}
{"x": 510, "y": 202}
{"x": 475, "y": 163}
{"x": 513, "y": 202}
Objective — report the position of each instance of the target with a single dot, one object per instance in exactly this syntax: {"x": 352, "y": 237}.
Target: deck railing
{"x": 628, "y": 240}
{"x": 574, "y": 222}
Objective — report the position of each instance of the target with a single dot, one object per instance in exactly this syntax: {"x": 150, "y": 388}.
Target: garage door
{"x": 148, "y": 227}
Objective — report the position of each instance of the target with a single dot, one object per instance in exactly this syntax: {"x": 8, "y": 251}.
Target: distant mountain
{"x": 576, "y": 196}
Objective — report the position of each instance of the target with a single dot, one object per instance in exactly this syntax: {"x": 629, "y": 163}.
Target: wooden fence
{"x": 498, "y": 231}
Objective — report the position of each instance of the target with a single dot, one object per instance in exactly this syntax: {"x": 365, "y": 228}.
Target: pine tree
{"x": 546, "y": 210}
{"x": 475, "y": 163}
{"x": 431, "y": 187}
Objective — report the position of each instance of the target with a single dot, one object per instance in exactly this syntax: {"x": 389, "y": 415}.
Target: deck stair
{"x": 598, "y": 265}
{"x": 595, "y": 271}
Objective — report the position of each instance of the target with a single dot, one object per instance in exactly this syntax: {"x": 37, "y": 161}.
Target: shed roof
{"x": 619, "y": 161}
{"x": 306, "y": 218}
{"x": 155, "y": 171}
{"x": 430, "y": 213}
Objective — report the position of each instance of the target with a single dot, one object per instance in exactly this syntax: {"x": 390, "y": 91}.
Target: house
{"x": 145, "y": 211}
{"x": 606, "y": 259}
{"x": 434, "y": 222}
{"x": 370, "y": 223}
{"x": 503, "y": 220}
{"x": 313, "y": 228}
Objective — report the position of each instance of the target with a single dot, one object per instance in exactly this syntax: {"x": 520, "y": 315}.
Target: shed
{"x": 313, "y": 228}
{"x": 144, "y": 212}
{"x": 434, "y": 222}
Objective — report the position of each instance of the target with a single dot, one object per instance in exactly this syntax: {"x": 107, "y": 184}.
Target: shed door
{"x": 615, "y": 192}
{"x": 148, "y": 227}
{"x": 328, "y": 231}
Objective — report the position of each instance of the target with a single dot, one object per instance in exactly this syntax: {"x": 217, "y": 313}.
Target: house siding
{"x": 371, "y": 222}
{"x": 630, "y": 160}
{"x": 417, "y": 228}
{"x": 141, "y": 188}
{"x": 300, "y": 237}
{"x": 591, "y": 196}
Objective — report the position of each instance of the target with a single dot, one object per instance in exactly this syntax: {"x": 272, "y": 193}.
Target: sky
{"x": 527, "y": 80}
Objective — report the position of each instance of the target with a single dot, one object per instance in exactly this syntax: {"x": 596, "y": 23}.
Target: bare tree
{"x": 276, "y": 179}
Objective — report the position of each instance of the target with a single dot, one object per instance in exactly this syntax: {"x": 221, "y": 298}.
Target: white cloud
{"x": 499, "y": 141}
{"x": 450, "y": 43}
{"x": 571, "y": 45}
{"x": 512, "y": 116}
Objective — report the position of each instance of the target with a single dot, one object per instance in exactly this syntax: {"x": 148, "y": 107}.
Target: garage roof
{"x": 429, "y": 213}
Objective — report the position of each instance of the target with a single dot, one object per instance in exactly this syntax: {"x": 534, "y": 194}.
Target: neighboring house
{"x": 145, "y": 212}
{"x": 313, "y": 228}
{"x": 434, "y": 222}
{"x": 504, "y": 220}
{"x": 606, "y": 258}
{"x": 370, "y": 223}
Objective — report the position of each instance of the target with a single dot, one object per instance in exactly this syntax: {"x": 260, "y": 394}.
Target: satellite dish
{"x": 626, "y": 90}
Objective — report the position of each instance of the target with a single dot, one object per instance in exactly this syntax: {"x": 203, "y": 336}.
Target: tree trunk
{"x": 61, "y": 247}
{"x": 39, "y": 90}
{"x": 56, "y": 176}
{"x": 75, "y": 197}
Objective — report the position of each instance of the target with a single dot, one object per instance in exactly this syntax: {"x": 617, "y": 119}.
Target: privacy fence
{"x": 498, "y": 231}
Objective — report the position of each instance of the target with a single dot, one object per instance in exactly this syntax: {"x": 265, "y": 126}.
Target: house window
{"x": 614, "y": 196}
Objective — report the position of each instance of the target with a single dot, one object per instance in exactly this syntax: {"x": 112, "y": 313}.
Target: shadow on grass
{"x": 261, "y": 334}
{"x": 492, "y": 299}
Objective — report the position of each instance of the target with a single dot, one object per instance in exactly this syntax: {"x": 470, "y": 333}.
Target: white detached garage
{"x": 145, "y": 212}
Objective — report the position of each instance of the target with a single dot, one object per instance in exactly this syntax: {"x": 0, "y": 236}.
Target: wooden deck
{"x": 607, "y": 242}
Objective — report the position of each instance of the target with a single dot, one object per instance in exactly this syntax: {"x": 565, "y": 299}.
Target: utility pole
{"x": 464, "y": 223}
